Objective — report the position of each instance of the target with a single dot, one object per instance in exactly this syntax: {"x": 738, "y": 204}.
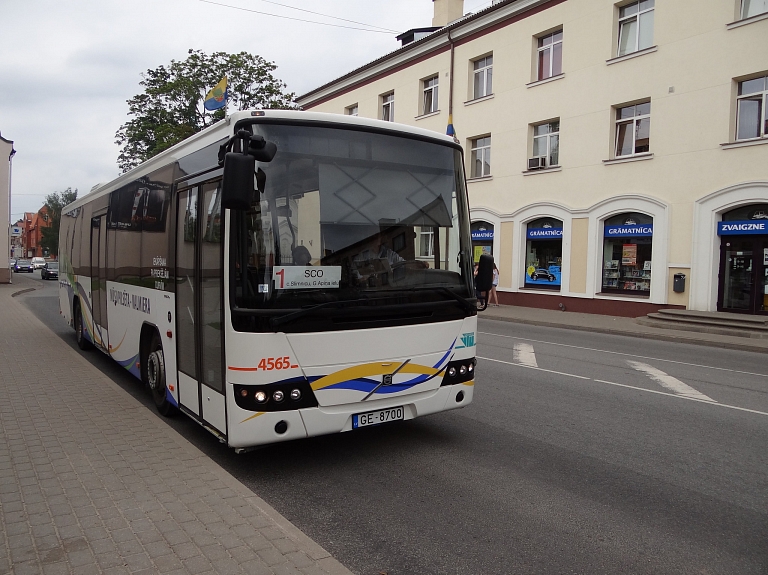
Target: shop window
{"x": 482, "y": 239}
{"x": 627, "y": 247}
{"x": 544, "y": 253}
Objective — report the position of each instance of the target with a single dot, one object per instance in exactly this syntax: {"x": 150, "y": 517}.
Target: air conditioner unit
{"x": 537, "y": 163}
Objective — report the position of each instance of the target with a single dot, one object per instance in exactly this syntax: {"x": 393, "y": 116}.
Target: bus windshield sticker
{"x": 310, "y": 277}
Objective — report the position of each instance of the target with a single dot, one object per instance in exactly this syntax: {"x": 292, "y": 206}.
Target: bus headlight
{"x": 278, "y": 396}
{"x": 260, "y": 396}
{"x": 295, "y": 394}
{"x": 451, "y": 372}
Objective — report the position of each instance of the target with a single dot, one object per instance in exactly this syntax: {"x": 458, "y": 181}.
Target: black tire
{"x": 153, "y": 373}
{"x": 82, "y": 341}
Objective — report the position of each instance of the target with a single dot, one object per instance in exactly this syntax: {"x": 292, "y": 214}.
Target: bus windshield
{"x": 353, "y": 228}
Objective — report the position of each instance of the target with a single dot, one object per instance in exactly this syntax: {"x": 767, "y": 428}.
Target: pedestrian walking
{"x": 493, "y": 299}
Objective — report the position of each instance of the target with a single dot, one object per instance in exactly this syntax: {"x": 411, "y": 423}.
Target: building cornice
{"x": 464, "y": 30}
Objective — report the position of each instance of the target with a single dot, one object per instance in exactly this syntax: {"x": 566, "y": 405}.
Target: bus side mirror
{"x": 484, "y": 279}
{"x": 237, "y": 186}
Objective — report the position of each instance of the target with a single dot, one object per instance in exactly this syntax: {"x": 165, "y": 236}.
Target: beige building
{"x": 6, "y": 151}
{"x": 610, "y": 147}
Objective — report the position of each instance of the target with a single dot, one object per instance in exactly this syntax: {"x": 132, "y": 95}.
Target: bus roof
{"x": 222, "y": 129}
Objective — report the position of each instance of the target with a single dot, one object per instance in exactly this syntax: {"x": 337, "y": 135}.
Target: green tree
{"x": 54, "y": 203}
{"x": 171, "y": 107}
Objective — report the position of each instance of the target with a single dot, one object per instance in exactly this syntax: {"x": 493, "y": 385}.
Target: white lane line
{"x": 671, "y": 383}
{"x": 626, "y": 354}
{"x": 533, "y": 367}
{"x": 523, "y": 353}
{"x": 631, "y": 387}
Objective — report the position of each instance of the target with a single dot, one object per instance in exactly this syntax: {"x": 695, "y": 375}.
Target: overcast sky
{"x": 68, "y": 67}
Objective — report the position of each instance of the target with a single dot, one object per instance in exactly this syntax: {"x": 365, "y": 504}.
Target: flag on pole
{"x": 217, "y": 98}
{"x": 450, "y": 131}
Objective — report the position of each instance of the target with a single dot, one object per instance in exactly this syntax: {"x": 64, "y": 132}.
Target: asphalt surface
{"x": 582, "y": 453}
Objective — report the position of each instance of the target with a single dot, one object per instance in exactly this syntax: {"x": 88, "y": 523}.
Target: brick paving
{"x": 92, "y": 482}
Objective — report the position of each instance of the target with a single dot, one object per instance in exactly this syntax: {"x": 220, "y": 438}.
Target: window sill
{"x": 745, "y": 143}
{"x": 427, "y": 115}
{"x": 624, "y": 293}
{"x": 545, "y": 81}
{"x": 543, "y": 171}
{"x": 642, "y": 52}
{"x": 745, "y": 21}
{"x": 479, "y": 179}
{"x": 476, "y": 100}
{"x": 625, "y": 159}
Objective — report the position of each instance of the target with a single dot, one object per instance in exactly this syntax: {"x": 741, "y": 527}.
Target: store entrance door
{"x": 743, "y": 285}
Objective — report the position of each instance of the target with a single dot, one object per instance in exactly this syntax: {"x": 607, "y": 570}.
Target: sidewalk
{"x": 619, "y": 326}
{"x": 92, "y": 482}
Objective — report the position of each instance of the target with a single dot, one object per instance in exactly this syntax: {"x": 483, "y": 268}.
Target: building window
{"x": 546, "y": 143}
{"x": 544, "y": 253}
{"x": 388, "y": 107}
{"x": 427, "y": 242}
{"x": 751, "y": 117}
{"x": 633, "y": 129}
{"x": 751, "y": 8}
{"x": 480, "y": 157}
{"x": 351, "y": 110}
{"x": 482, "y": 77}
{"x": 550, "y": 55}
{"x": 627, "y": 247}
{"x": 635, "y": 27}
{"x": 429, "y": 90}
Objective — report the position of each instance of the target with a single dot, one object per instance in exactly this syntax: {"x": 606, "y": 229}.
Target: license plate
{"x": 377, "y": 417}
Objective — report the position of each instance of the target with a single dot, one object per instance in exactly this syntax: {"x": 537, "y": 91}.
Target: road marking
{"x": 631, "y": 387}
{"x": 626, "y": 354}
{"x": 523, "y": 353}
{"x": 533, "y": 367}
{"x": 671, "y": 383}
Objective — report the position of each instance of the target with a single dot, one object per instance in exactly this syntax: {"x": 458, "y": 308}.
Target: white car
{"x": 38, "y": 263}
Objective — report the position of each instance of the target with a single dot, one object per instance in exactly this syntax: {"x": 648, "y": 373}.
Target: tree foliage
{"x": 54, "y": 204}
{"x": 171, "y": 107}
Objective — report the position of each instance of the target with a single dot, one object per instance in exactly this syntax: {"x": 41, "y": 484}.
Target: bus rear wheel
{"x": 82, "y": 341}
{"x": 154, "y": 375}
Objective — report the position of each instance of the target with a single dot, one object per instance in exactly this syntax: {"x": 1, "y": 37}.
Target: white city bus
{"x": 282, "y": 275}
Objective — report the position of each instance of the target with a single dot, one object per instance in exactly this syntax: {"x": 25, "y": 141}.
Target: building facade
{"x": 617, "y": 153}
{"x": 6, "y": 151}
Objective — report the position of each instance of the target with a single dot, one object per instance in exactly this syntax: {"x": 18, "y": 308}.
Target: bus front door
{"x": 199, "y": 313}
{"x": 99, "y": 279}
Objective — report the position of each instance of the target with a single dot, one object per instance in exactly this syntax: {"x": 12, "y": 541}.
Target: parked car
{"x": 542, "y": 274}
{"x": 38, "y": 263}
{"x": 50, "y": 271}
{"x": 23, "y": 266}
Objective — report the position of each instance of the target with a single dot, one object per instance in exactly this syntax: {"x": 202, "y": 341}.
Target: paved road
{"x": 582, "y": 453}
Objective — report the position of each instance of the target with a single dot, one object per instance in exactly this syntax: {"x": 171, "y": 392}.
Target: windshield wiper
{"x": 293, "y": 316}
{"x": 465, "y": 304}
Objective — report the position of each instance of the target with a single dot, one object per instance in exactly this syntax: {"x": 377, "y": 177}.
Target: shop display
{"x": 628, "y": 241}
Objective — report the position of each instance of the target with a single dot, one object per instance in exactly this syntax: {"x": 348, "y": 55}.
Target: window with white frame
{"x": 482, "y": 77}
{"x": 480, "y": 157}
{"x": 550, "y": 55}
{"x": 635, "y": 27}
{"x": 388, "y": 107}
{"x": 546, "y": 142}
{"x": 751, "y": 116}
{"x": 751, "y": 8}
{"x": 633, "y": 129}
{"x": 427, "y": 242}
{"x": 351, "y": 110}
{"x": 429, "y": 91}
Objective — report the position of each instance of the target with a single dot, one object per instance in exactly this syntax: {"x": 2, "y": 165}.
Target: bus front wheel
{"x": 154, "y": 375}
{"x": 82, "y": 341}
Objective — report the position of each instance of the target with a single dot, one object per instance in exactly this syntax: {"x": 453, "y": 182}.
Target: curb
{"x": 642, "y": 335}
